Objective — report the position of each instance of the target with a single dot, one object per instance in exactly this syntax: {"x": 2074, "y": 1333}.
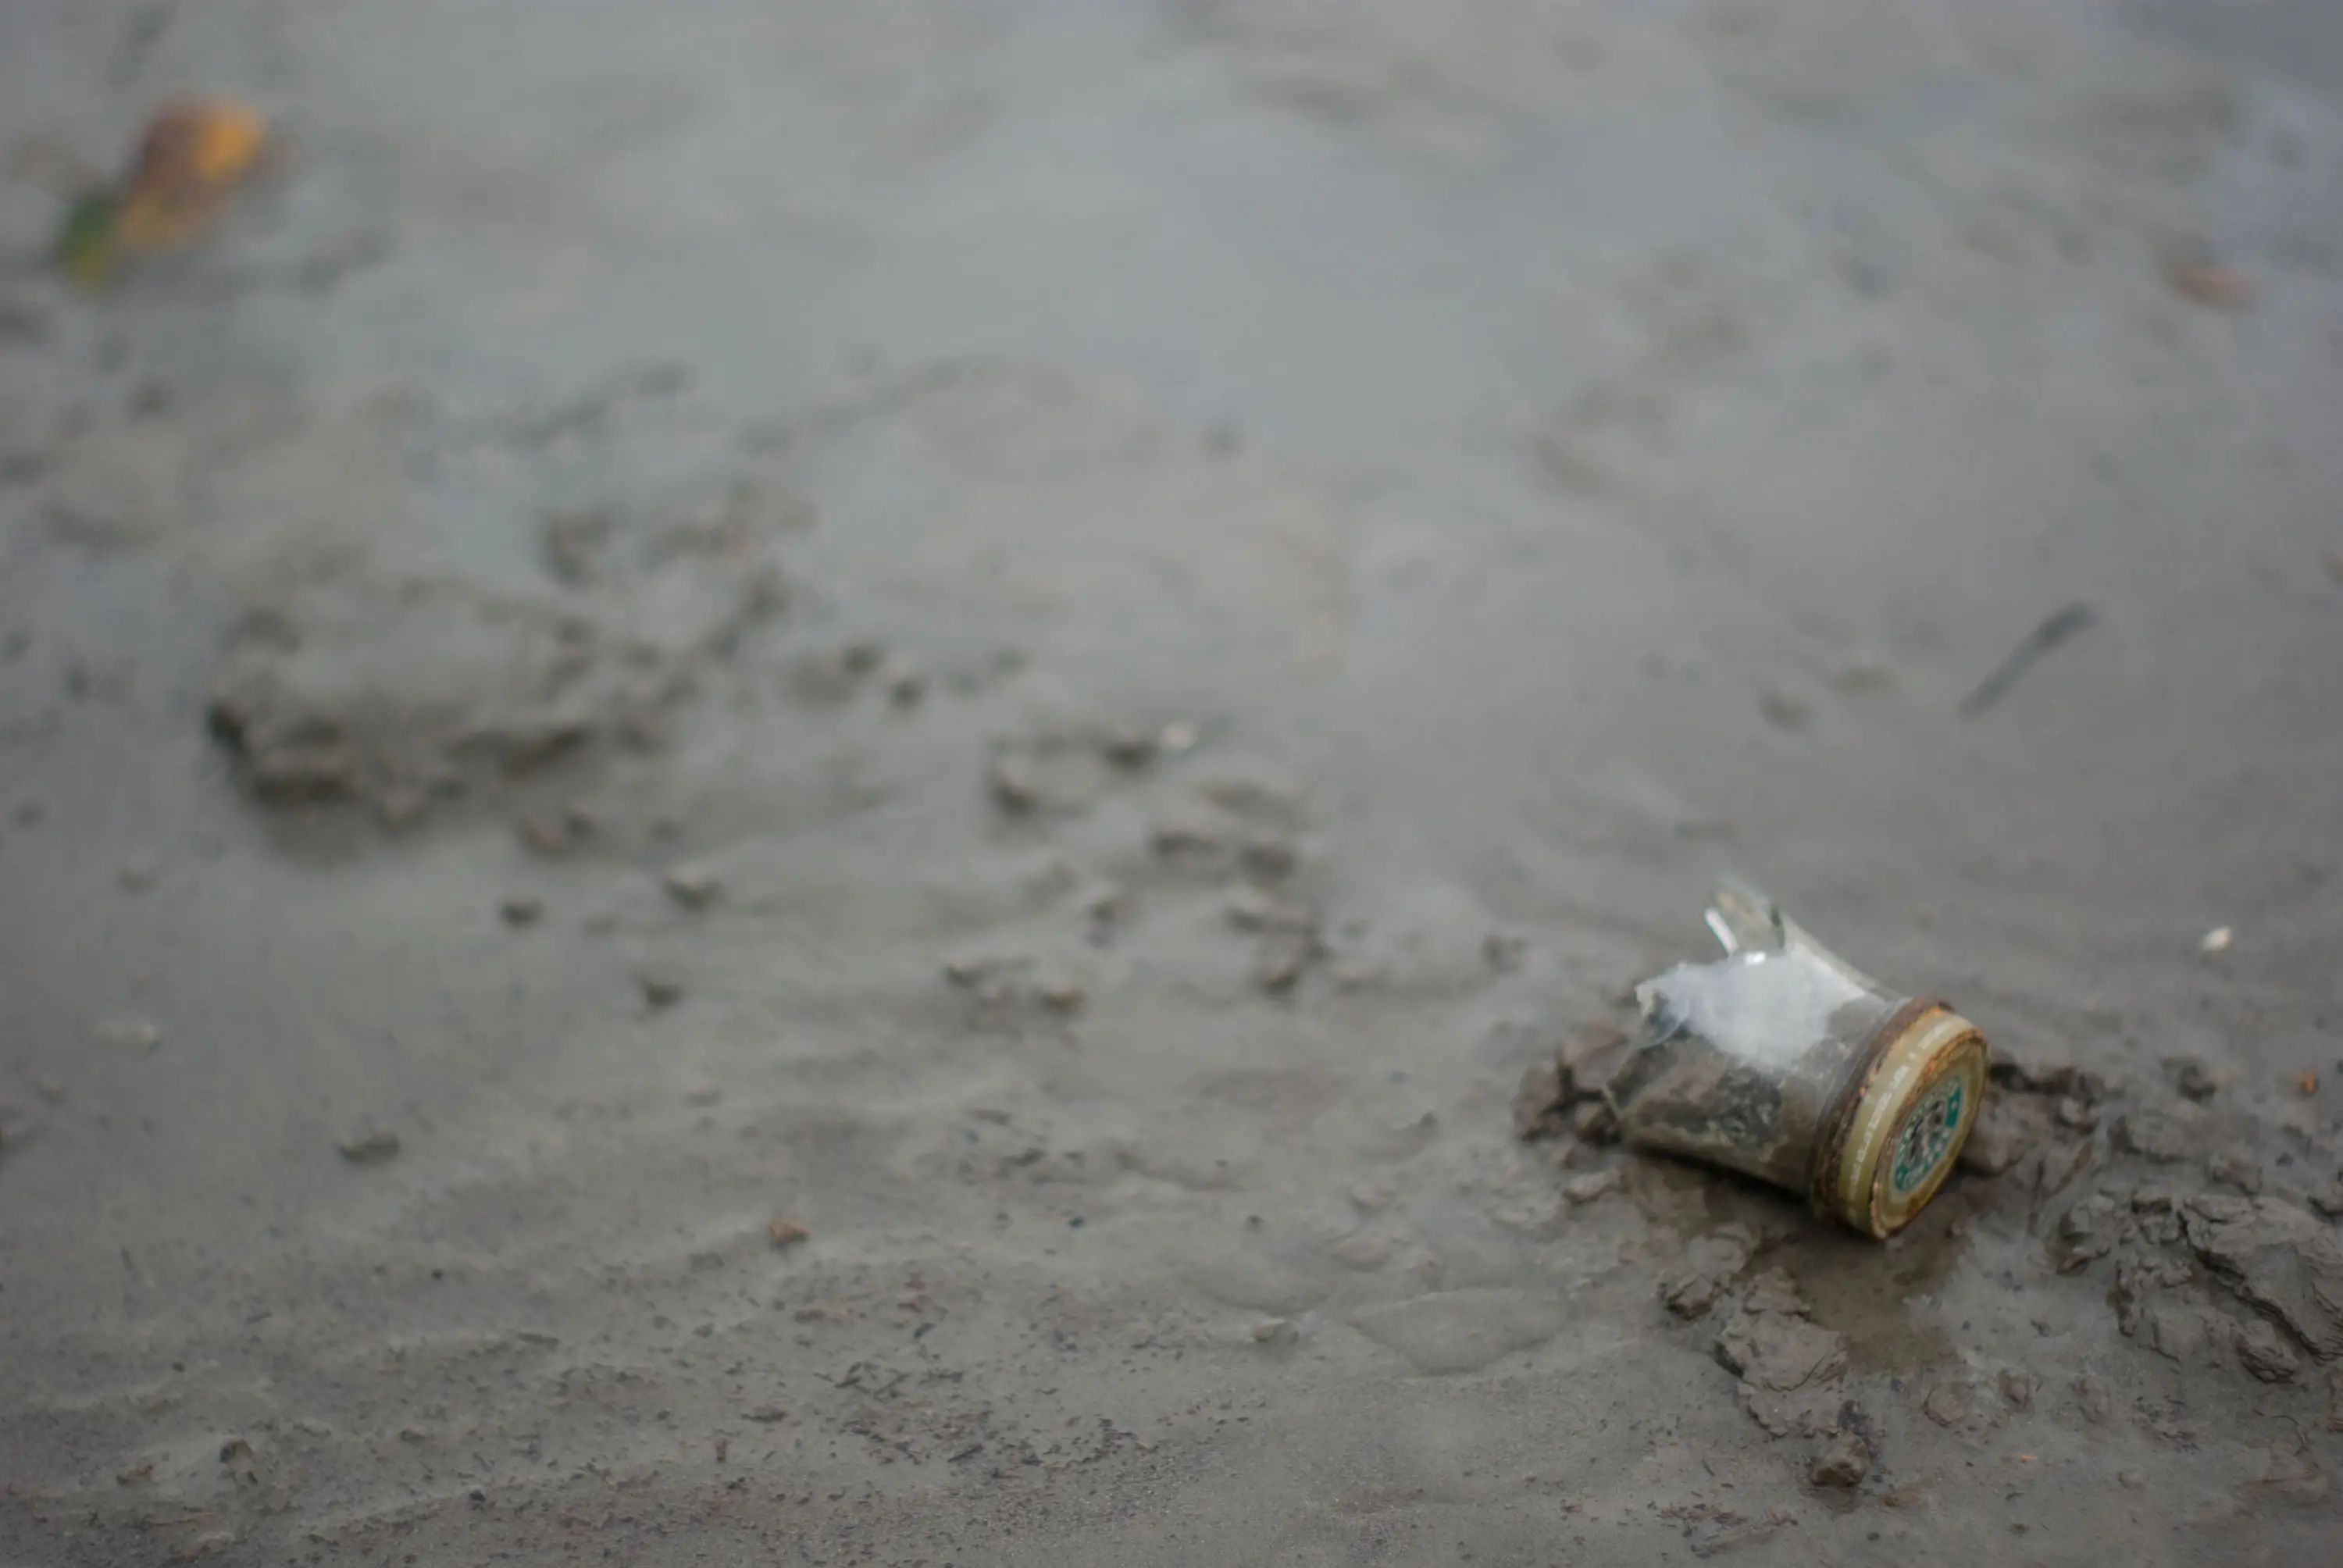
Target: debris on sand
{"x": 192, "y": 158}
{"x": 2211, "y": 284}
{"x": 662, "y": 988}
{"x": 370, "y": 1146}
{"x": 521, "y": 908}
{"x": 2061, "y": 626}
{"x": 2217, "y": 940}
{"x": 785, "y": 1233}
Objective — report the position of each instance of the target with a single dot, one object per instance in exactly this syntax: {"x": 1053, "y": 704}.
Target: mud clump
{"x": 2165, "y": 1137}
{"x": 1567, "y": 1094}
{"x": 1842, "y": 1463}
{"x": 398, "y": 694}
{"x": 1788, "y": 1365}
{"x": 2278, "y": 1259}
{"x": 1711, "y": 1265}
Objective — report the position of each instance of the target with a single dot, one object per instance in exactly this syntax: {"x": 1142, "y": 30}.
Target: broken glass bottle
{"x": 1783, "y": 1062}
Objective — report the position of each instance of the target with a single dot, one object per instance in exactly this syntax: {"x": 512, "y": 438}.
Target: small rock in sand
{"x": 2059, "y": 1082}
{"x": 1371, "y": 1197}
{"x": 2162, "y": 1136}
{"x": 1595, "y": 1184}
{"x": 784, "y": 1233}
{"x": 1537, "y": 1103}
{"x": 2017, "y": 1387}
{"x": 1843, "y": 1462}
{"x": 2217, "y": 940}
{"x": 2263, "y": 1352}
{"x": 2238, "y": 1168}
{"x": 1268, "y": 859}
{"x": 661, "y": 987}
{"x": 903, "y": 682}
{"x": 2275, "y": 1257}
{"x": 1060, "y": 995}
{"x": 1284, "y": 956}
{"x": 129, "y": 1034}
{"x": 692, "y": 887}
{"x": 1250, "y": 908}
{"x": 521, "y": 908}
{"x": 1770, "y": 1344}
{"x": 370, "y": 1146}
{"x": 1015, "y": 784}
{"x": 1272, "y": 1330}
{"x": 1709, "y": 1265}
{"x": 2193, "y": 1078}
{"x": 2088, "y": 1231}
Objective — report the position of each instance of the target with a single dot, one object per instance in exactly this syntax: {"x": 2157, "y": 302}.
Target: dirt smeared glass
{"x": 1783, "y": 1062}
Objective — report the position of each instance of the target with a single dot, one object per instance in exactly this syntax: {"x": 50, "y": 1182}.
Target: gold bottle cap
{"x": 1911, "y": 1113}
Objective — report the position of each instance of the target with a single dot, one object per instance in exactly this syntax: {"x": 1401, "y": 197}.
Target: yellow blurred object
{"x": 194, "y": 155}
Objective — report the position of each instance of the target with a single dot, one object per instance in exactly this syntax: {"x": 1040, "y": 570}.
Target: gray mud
{"x": 799, "y": 783}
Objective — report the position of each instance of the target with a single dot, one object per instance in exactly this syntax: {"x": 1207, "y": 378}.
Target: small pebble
{"x": 783, "y": 1232}
{"x": 521, "y": 908}
{"x": 2217, "y": 940}
{"x": 660, "y": 988}
{"x": 692, "y": 887}
{"x": 1593, "y": 1185}
{"x": 1179, "y": 736}
{"x": 130, "y": 1034}
{"x": 904, "y": 683}
{"x": 1843, "y": 1462}
{"x": 1060, "y": 996}
{"x": 370, "y": 1146}
{"x": 1016, "y": 784}
{"x": 1271, "y": 1330}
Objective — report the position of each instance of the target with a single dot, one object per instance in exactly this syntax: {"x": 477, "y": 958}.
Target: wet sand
{"x": 784, "y": 784}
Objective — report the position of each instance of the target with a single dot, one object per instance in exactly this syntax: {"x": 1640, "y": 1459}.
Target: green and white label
{"x": 1927, "y": 1135}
